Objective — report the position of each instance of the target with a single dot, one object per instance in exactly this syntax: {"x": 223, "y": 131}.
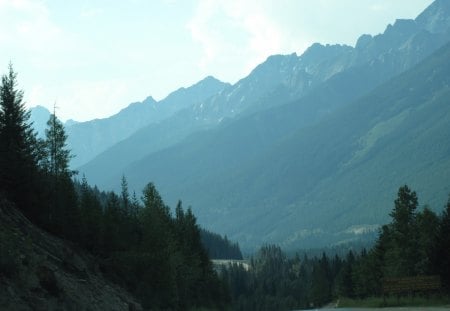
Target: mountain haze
{"x": 87, "y": 139}
{"x": 342, "y": 171}
{"x": 39, "y": 116}
{"x": 331, "y": 71}
{"x": 306, "y": 149}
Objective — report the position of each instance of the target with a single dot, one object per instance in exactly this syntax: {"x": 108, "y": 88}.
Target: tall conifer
{"x": 18, "y": 148}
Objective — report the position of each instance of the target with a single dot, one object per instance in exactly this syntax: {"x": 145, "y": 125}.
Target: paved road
{"x": 392, "y": 309}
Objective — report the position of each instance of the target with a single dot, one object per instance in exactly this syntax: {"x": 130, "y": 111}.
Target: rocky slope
{"x": 88, "y": 139}
{"x": 41, "y": 272}
{"x": 292, "y": 176}
{"x": 332, "y": 76}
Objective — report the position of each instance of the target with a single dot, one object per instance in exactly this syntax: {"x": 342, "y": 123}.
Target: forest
{"x": 163, "y": 258}
{"x": 157, "y": 256}
{"x": 414, "y": 243}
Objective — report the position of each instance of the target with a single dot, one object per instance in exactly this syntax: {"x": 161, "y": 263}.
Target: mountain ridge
{"x": 210, "y": 151}
{"x": 312, "y": 153}
{"x": 87, "y": 139}
{"x": 277, "y": 81}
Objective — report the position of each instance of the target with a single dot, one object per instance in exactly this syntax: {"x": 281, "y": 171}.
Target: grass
{"x": 394, "y": 301}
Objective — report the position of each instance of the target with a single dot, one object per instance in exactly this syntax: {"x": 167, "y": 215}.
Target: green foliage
{"x": 275, "y": 282}
{"x": 397, "y": 132}
{"x": 159, "y": 258}
{"x": 344, "y": 280}
{"x": 219, "y": 247}
{"x": 412, "y": 244}
{"x": 442, "y": 247}
{"x": 402, "y": 254}
{"x": 90, "y": 216}
{"x": 18, "y": 148}
{"x": 428, "y": 223}
{"x": 57, "y": 155}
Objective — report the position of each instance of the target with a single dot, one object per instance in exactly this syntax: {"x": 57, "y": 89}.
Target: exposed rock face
{"x": 41, "y": 272}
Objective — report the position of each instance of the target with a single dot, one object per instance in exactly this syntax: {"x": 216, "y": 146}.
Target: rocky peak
{"x": 436, "y": 17}
{"x": 317, "y": 53}
{"x": 149, "y": 100}
{"x": 39, "y": 116}
{"x": 363, "y": 42}
{"x": 210, "y": 80}
{"x": 401, "y": 28}
{"x": 275, "y": 64}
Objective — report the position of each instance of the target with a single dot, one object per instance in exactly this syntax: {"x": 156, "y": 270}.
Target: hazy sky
{"x": 95, "y": 57}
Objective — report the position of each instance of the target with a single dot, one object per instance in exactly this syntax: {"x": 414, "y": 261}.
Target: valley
{"x": 304, "y": 140}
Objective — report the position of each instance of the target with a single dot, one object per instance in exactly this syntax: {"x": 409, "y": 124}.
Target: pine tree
{"x": 157, "y": 242}
{"x": 427, "y": 224}
{"x": 402, "y": 255}
{"x": 321, "y": 283}
{"x": 112, "y": 228}
{"x": 58, "y": 156}
{"x": 62, "y": 208}
{"x": 345, "y": 284}
{"x": 18, "y": 147}
{"x": 442, "y": 252}
{"x": 125, "y": 197}
{"x": 91, "y": 214}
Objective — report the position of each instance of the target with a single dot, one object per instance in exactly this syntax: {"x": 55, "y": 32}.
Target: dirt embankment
{"x": 41, "y": 272}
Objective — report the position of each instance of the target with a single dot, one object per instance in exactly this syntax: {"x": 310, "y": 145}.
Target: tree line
{"x": 158, "y": 256}
{"x": 161, "y": 256}
{"x": 219, "y": 247}
{"x": 414, "y": 243}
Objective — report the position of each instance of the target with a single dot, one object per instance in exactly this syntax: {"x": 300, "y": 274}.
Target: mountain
{"x": 275, "y": 157}
{"x": 435, "y": 18}
{"x": 70, "y": 122}
{"x": 87, "y": 139}
{"x": 334, "y": 75}
{"x": 246, "y": 95}
{"x": 39, "y": 116}
{"x": 323, "y": 183}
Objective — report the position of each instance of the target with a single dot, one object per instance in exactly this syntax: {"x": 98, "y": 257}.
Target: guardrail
{"x": 425, "y": 283}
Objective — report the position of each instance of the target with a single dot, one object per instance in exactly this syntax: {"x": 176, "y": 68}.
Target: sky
{"x": 94, "y": 57}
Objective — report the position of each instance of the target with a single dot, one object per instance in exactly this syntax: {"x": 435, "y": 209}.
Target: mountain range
{"x": 306, "y": 150}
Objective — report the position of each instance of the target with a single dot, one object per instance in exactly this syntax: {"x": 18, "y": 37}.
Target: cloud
{"x": 91, "y": 12}
{"x": 239, "y": 30}
{"x": 27, "y": 25}
{"x": 203, "y": 34}
{"x": 81, "y": 99}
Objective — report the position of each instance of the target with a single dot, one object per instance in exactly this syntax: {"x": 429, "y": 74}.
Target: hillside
{"x": 41, "y": 272}
{"x": 282, "y": 145}
{"x": 88, "y": 139}
{"x": 341, "y": 172}
{"x": 330, "y": 76}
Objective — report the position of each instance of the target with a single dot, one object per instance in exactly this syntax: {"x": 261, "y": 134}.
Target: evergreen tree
{"x": 427, "y": 224}
{"x": 58, "y": 156}
{"x": 442, "y": 248}
{"x": 402, "y": 253}
{"x": 91, "y": 218}
{"x": 112, "y": 236}
{"x": 18, "y": 148}
{"x": 135, "y": 206}
{"x": 157, "y": 242}
{"x": 62, "y": 211}
{"x": 125, "y": 196}
{"x": 344, "y": 281}
{"x": 321, "y": 282}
